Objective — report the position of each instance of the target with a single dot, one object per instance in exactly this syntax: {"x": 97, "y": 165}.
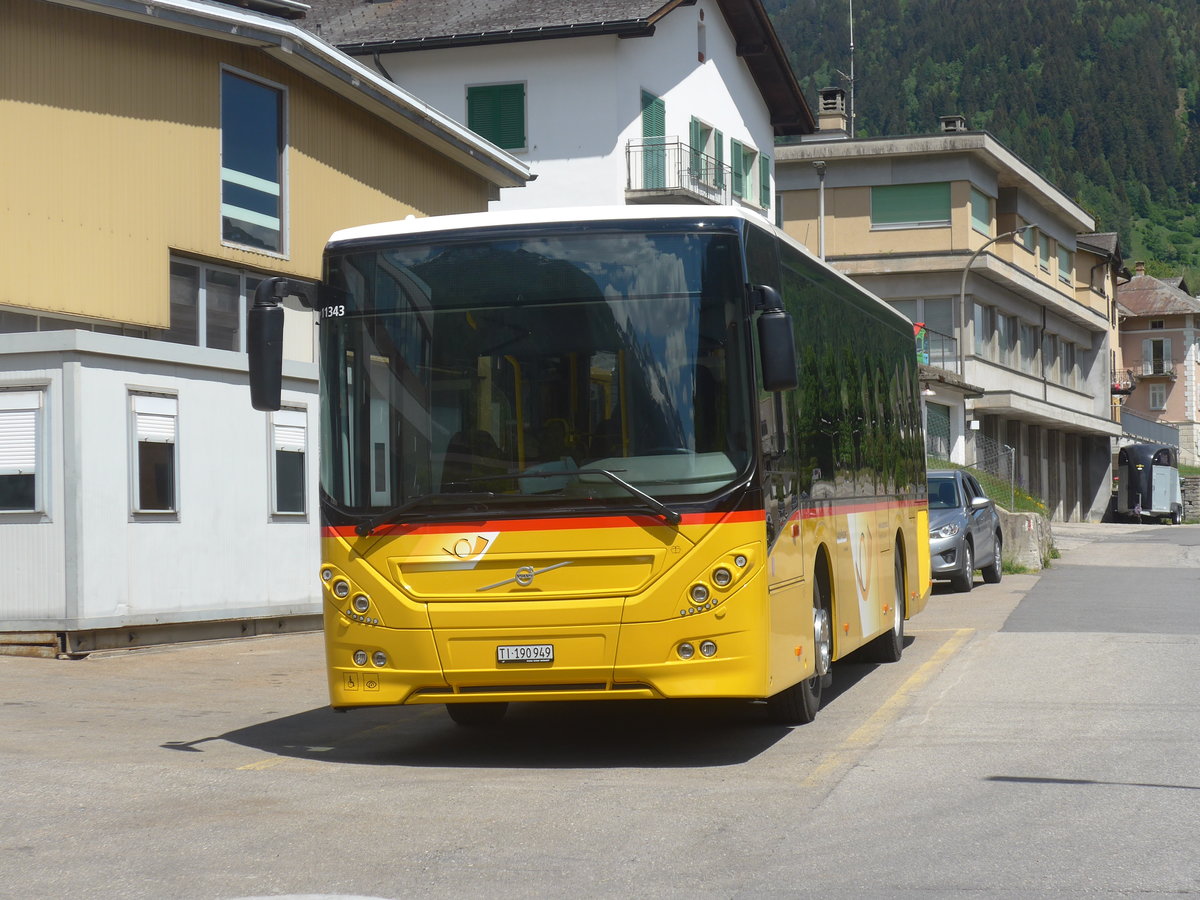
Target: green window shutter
{"x": 719, "y": 157}
{"x": 497, "y": 112}
{"x": 735, "y": 162}
{"x": 764, "y": 181}
{"x": 654, "y": 116}
{"x": 697, "y": 152}
{"x": 911, "y": 204}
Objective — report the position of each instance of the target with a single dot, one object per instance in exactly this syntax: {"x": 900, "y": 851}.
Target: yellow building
{"x": 159, "y": 159}
{"x": 963, "y": 236}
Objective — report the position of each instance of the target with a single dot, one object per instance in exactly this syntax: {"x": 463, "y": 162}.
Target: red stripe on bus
{"x": 576, "y": 523}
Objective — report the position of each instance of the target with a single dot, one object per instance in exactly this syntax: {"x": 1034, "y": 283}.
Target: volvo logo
{"x": 524, "y": 576}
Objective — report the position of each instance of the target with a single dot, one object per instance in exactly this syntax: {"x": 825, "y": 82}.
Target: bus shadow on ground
{"x": 587, "y": 734}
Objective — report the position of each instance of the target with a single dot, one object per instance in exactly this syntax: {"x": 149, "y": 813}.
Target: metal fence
{"x": 669, "y": 165}
{"x": 989, "y": 455}
{"x": 937, "y": 349}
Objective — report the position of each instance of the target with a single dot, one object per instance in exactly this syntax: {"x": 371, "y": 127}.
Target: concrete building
{"x": 1160, "y": 344}
{"x": 962, "y": 235}
{"x": 160, "y": 159}
{"x": 612, "y": 102}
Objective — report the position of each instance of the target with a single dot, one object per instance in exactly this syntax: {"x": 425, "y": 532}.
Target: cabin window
{"x": 289, "y": 439}
{"x": 20, "y": 450}
{"x": 154, "y": 458}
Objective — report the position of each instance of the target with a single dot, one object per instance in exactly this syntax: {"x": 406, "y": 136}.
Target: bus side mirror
{"x": 264, "y": 339}
{"x": 776, "y": 342}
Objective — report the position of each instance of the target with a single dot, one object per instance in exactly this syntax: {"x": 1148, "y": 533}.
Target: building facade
{"x": 160, "y": 161}
{"x": 962, "y": 236}
{"x": 1160, "y": 344}
{"x": 633, "y": 101}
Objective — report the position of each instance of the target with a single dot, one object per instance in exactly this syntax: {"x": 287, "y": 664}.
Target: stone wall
{"x": 1027, "y": 539}
{"x": 1190, "y": 488}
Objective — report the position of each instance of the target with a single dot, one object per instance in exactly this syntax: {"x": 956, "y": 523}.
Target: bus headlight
{"x": 341, "y": 589}
{"x": 708, "y": 648}
{"x": 721, "y": 576}
{"x": 361, "y": 603}
{"x": 699, "y": 594}
{"x": 379, "y": 659}
{"x": 360, "y": 657}
{"x": 685, "y": 650}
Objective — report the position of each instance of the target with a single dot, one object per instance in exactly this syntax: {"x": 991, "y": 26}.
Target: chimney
{"x": 831, "y": 112}
{"x": 1139, "y": 268}
{"x": 951, "y": 124}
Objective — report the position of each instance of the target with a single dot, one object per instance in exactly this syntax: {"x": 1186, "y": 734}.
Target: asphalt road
{"x": 1039, "y": 739}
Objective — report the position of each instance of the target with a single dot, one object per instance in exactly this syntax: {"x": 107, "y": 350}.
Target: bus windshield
{"x": 477, "y": 372}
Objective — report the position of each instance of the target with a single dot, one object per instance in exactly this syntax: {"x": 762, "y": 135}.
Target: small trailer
{"x": 1148, "y": 483}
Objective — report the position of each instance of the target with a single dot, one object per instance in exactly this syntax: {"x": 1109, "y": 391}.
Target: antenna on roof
{"x": 850, "y": 78}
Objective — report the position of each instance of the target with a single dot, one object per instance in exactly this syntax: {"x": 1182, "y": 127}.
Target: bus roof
{"x": 483, "y": 221}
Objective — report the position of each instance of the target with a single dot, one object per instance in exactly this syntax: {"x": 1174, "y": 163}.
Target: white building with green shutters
{"x": 620, "y": 101}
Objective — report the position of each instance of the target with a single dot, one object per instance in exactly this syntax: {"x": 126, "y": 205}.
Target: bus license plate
{"x": 518, "y": 653}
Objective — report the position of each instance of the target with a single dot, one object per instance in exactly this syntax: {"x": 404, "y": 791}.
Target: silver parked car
{"x": 964, "y": 530}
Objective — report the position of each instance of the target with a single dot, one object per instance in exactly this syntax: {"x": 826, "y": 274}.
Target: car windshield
{"x": 943, "y": 493}
{"x": 518, "y": 370}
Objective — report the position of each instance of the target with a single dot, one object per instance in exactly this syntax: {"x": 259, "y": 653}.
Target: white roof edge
{"x": 943, "y": 143}
{"x": 549, "y": 216}
{"x": 243, "y": 26}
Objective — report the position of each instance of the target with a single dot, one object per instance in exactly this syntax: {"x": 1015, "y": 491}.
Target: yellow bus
{"x": 638, "y": 452}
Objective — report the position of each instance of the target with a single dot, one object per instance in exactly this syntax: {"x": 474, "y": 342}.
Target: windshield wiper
{"x": 671, "y": 516}
{"x": 365, "y": 528}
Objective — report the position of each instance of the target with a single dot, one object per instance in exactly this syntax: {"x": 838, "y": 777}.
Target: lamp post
{"x": 819, "y": 165}
{"x": 962, "y": 297}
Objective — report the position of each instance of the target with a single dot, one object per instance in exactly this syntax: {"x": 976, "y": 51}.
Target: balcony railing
{"x": 937, "y": 349}
{"x": 1158, "y": 367}
{"x": 667, "y": 167}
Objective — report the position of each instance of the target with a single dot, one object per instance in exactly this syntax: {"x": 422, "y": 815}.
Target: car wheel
{"x": 477, "y": 715}
{"x": 964, "y": 579}
{"x": 993, "y": 573}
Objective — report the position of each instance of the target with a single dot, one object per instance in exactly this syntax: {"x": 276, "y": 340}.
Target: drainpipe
{"x": 819, "y": 165}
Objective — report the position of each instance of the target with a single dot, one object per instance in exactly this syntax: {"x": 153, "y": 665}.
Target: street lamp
{"x": 962, "y": 297}
{"x": 819, "y": 165}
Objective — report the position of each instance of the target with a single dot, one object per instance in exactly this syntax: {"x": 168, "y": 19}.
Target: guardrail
{"x": 668, "y": 165}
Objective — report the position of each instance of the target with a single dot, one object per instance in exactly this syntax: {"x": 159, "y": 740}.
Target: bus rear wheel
{"x": 888, "y": 647}
{"x": 477, "y": 715}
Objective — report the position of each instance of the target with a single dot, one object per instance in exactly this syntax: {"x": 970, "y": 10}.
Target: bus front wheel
{"x": 477, "y": 715}
{"x": 798, "y": 704}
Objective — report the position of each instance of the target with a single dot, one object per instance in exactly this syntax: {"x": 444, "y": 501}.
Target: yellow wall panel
{"x": 110, "y": 160}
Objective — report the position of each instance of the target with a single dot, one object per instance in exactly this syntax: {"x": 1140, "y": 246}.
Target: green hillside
{"x": 1101, "y": 96}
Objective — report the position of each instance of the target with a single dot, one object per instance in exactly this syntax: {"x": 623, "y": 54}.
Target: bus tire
{"x": 993, "y": 573}
{"x": 964, "y": 579}
{"x": 888, "y": 647}
{"x": 798, "y": 704}
{"x": 477, "y": 715}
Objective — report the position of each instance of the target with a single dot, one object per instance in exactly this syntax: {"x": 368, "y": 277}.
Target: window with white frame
{"x": 289, "y": 439}
{"x": 707, "y": 153}
{"x": 1156, "y": 356}
{"x": 1158, "y": 395}
{"x": 981, "y": 212}
{"x": 20, "y": 450}
{"x": 155, "y": 460}
{"x": 910, "y": 205}
{"x": 208, "y": 305}
{"x": 253, "y": 138}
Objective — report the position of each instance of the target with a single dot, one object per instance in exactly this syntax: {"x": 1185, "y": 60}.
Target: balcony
{"x": 1158, "y": 368}
{"x": 667, "y": 170}
{"x": 937, "y": 349}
